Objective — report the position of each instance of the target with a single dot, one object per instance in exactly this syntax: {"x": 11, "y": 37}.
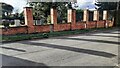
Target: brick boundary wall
{"x": 101, "y": 24}
{"x": 41, "y": 28}
{"x": 14, "y": 30}
{"x": 62, "y": 27}
{"x": 71, "y": 25}
{"x": 80, "y": 25}
{"x": 59, "y": 27}
{"x": 91, "y": 24}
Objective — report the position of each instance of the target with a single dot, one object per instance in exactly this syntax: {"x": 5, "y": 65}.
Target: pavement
{"x": 90, "y": 49}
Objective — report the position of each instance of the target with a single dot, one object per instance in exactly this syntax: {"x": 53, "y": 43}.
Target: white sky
{"x": 19, "y": 4}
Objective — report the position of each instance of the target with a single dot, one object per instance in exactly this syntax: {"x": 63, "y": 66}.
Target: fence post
{"x": 86, "y": 17}
{"x": 96, "y": 17}
{"x": 72, "y": 18}
{"x": 105, "y": 16}
{"x": 69, "y": 15}
{"x": 53, "y": 12}
{"x": 29, "y": 19}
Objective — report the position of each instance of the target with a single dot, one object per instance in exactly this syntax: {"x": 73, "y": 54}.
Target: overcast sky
{"x": 19, "y": 4}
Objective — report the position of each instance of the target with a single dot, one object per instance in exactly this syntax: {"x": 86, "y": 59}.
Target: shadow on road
{"x": 13, "y": 62}
{"x": 92, "y": 40}
{"x": 91, "y": 52}
{"x": 106, "y": 36}
{"x": 12, "y": 49}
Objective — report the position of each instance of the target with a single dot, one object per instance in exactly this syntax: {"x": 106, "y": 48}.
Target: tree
{"x": 62, "y": 12}
{"x": 79, "y": 15}
{"x": 106, "y": 5}
{"x": 6, "y": 9}
{"x": 42, "y": 9}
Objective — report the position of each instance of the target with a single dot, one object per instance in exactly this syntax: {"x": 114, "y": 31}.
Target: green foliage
{"x": 62, "y": 12}
{"x": 79, "y": 15}
{"x": 42, "y": 10}
{"x": 21, "y": 37}
{"x": 6, "y": 8}
{"x": 6, "y": 23}
{"x": 79, "y": 10}
{"x": 45, "y": 35}
{"x": 106, "y": 5}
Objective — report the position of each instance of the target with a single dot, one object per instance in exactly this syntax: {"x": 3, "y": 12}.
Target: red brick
{"x": 42, "y": 28}
{"x": 14, "y": 30}
{"x": 62, "y": 27}
{"x": 91, "y": 24}
{"x": 100, "y": 24}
